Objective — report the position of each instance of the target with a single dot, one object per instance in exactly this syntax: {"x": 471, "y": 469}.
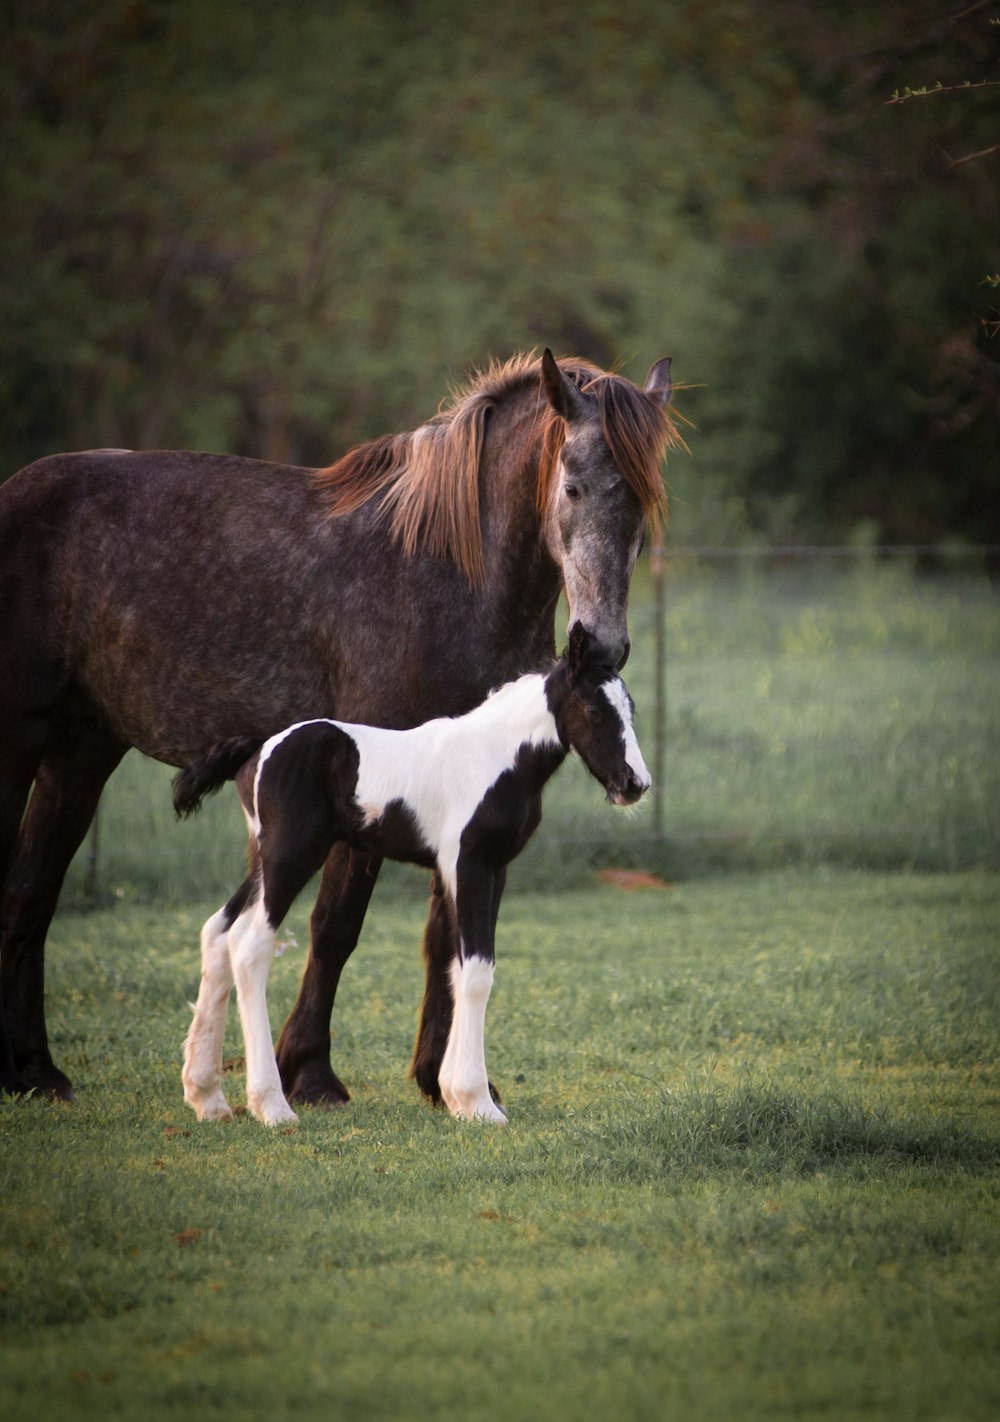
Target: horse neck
{"x": 522, "y": 580}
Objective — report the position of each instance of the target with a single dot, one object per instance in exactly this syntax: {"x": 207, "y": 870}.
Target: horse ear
{"x": 563, "y": 395}
{"x": 579, "y": 646}
{"x": 658, "y": 382}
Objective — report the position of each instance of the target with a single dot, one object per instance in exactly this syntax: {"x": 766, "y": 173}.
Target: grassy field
{"x": 751, "y": 1170}
{"x": 752, "y": 1162}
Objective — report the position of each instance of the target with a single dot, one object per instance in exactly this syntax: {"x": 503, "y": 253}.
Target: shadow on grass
{"x": 764, "y": 1131}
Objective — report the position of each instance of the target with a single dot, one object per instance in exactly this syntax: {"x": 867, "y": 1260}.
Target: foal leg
{"x": 251, "y": 948}
{"x": 304, "y": 1045}
{"x": 68, "y": 785}
{"x": 465, "y": 1087}
{"x": 202, "y": 1073}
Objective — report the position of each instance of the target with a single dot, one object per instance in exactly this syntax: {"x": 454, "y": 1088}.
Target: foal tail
{"x": 209, "y": 774}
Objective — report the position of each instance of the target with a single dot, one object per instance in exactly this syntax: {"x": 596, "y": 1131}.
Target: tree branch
{"x": 925, "y": 93}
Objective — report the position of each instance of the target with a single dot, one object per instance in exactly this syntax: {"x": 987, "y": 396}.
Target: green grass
{"x": 751, "y": 1170}
{"x": 813, "y": 717}
{"x": 752, "y": 1163}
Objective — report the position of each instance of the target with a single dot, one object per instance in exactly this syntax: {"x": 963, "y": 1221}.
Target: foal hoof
{"x": 271, "y": 1109}
{"x": 465, "y": 1108}
{"x": 316, "y": 1084}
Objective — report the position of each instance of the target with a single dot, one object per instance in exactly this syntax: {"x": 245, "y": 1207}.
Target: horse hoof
{"x": 44, "y": 1079}
{"x": 12, "y": 1085}
{"x": 469, "y": 1109}
{"x": 316, "y": 1084}
{"x": 271, "y": 1109}
{"x": 211, "y": 1107}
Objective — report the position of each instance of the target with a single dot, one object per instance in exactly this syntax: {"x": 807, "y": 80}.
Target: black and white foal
{"x": 462, "y": 796}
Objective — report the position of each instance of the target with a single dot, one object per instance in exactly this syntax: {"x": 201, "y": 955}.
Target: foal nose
{"x": 632, "y": 788}
{"x": 637, "y": 786}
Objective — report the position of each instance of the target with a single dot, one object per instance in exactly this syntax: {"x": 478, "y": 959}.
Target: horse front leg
{"x": 465, "y": 1086}
{"x": 78, "y": 760}
{"x": 16, "y": 775}
{"x": 303, "y": 1050}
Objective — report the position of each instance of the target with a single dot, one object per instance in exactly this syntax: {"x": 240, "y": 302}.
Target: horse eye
{"x": 572, "y": 491}
{"x": 591, "y": 712}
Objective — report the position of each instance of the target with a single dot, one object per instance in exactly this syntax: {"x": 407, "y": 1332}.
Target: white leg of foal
{"x": 251, "y": 948}
{"x": 464, "y": 1085}
{"x": 202, "y": 1073}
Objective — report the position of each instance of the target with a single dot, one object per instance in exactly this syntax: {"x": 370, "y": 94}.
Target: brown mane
{"x": 428, "y": 479}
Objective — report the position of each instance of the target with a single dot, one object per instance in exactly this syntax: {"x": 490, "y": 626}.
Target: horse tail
{"x": 206, "y": 776}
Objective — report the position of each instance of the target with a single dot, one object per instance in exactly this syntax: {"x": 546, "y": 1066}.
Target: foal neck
{"x": 517, "y": 714}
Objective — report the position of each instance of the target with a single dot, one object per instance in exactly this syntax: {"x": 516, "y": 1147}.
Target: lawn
{"x": 751, "y": 1169}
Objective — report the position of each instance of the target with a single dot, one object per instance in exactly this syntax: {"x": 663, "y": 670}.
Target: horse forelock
{"x": 637, "y": 430}
{"x": 427, "y": 480}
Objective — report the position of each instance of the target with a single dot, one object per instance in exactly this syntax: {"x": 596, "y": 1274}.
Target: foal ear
{"x": 563, "y": 395}
{"x": 658, "y": 382}
{"x": 579, "y": 648}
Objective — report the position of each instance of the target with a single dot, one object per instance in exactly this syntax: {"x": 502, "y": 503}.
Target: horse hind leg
{"x": 78, "y": 759}
{"x": 304, "y": 1045}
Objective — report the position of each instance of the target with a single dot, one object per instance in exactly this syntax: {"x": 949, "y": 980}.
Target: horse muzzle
{"x": 629, "y": 792}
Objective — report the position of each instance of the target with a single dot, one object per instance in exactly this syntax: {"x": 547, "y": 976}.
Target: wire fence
{"x": 795, "y": 704}
{"x": 783, "y": 684}
{"x": 962, "y": 559}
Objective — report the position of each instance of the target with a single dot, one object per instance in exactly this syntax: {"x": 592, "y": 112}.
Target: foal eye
{"x": 591, "y": 712}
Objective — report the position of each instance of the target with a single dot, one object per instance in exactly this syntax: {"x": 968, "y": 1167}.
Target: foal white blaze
{"x": 615, "y": 691}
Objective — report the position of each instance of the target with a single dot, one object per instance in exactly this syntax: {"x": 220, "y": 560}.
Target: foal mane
{"x": 428, "y": 478}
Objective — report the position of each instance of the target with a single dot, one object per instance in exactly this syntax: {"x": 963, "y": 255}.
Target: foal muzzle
{"x": 628, "y": 792}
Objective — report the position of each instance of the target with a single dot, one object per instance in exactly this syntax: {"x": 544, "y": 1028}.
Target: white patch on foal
{"x": 242, "y": 954}
{"x": 615, "y": 691}
{"x": 202, "y": 1073}
{"x": 464, "y": 1084}
{"x": 442, "y": 769}
{"x": 251, "y": 948}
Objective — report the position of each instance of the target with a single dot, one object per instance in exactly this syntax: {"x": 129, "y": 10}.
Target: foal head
{"x": 593, "y": 711}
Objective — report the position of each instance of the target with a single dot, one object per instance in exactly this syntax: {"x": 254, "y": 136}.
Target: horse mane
{"x": 428, "y": 478}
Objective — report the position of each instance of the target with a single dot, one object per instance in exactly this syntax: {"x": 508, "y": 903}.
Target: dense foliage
{"x": 278, "y": 229}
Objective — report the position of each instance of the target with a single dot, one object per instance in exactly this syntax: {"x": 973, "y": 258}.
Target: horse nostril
{"x": 626, "y": 648}
{"x": 637, "y": 787}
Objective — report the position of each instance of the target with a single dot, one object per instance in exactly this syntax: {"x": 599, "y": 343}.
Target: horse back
{"x": 187, "y": 597}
